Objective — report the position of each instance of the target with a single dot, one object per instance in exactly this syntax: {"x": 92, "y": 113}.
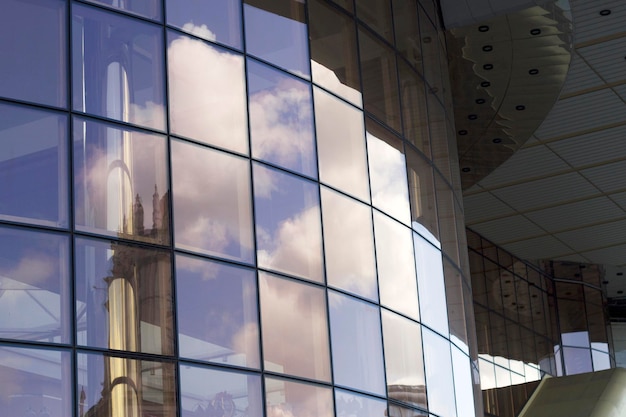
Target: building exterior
{"x": 249, "y": 208}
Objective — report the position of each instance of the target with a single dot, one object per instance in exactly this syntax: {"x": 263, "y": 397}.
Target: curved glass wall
{"x": 230, "y": 208}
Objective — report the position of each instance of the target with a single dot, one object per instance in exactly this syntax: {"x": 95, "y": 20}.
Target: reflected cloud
{"x": 201, "y": 31}
{"x": 328, "y": 79}
{"x": 33, "y": 268}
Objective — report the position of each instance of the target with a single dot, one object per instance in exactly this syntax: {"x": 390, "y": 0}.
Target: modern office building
{"x": 256, "y": 208}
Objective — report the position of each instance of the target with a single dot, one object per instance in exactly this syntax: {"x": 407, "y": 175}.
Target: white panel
{"x": 483, "y": 206}
{"x": 590, "y": 25}
{"x": 592, "y": 237}
{"x": 619, "y": 198}
{"x": 545, "y": 192}
{"x": 593, "y": 148}
{"x": 580, "y": 76}
{"x": 607, "y": 58}
{"x": 609, "y": 177}
{"x": 508, "y": 229}
{"x": 580, "y": 213}
{"x": 621, "y": 91}
{"x": 582, "y": 112}
{"x": 532, "y": 162}
{"x": 546, "y": 247}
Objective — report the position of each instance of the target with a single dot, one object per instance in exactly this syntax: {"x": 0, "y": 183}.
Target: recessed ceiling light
{"x": 605, "y": 12}
{"x": 462, "y": 132}
{"x": 535, "y": 31}
{"x": 488, "y": 67}
{"x": 520, "y": 107}
{"x": 533, "y": 71}
{"x": 619, "y": 274}
{"x": 620, "y": 292}
{"x": 497, "y": 140}
{"x": 472, "y": 116}
{"x": 466, "y": 169}
{"x": 480, "y": 101}
{"x": 487, "y": 48}
{"x": 485, "y": 84}
{"x": 483, "y": 28}
{"x": 605, "y": 282}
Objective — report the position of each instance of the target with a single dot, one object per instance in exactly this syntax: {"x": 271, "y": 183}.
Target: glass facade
{"x": 230, "y": 208}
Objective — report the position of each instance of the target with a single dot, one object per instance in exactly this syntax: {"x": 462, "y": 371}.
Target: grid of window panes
{"x": 226, "y": 209}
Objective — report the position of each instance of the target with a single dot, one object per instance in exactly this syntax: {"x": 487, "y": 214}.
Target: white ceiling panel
{"x": 545, "y": 192}
{"x": 580, "y": 76}
{"x": 545, "y": 247}
{"x": 483, "y": 206}
{"x": 614, "y": 255}
{"x": 619, "y": 198}
{"x": 544, "y": 162}
{"x": 508, "y": 229}
{"x": 580, "y": 213}
{"x": 607, "y": 59}
{"x": 584, "y": 112}
{"x": 621, "y": 91}
{"x": 594, "y": 237}
{"x": 589, "y": 24}
{"x": 573, "y": 258}
{"x": 593, "y": 148}
{"x": 608, "y": 178}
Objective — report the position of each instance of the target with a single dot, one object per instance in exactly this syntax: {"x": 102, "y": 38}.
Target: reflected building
{"x": 252, "y": 208}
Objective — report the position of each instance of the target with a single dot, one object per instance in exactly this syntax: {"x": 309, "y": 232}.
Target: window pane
{"x": 281, "y": 119}
{"x": 396, "y": 266}
{"x": 217, "y": 312}
{"x": 216, "y": 20}
{"x": 34, "y": 54}
{"x": 276, "y": 32}
{"x": 33, "y": 166}
{"x": 123, "y": 297}
{"x": 403, "y": 359}
{"x": 349, "y": 244}
{"x": 207, "y": 93}
{"x": 414, "y": 110}
{"x": 431, "y": 286}
{"x": 120, "y": 182}
{"x": 463, "y": 384}
{"x": 422, "y": 193}
{"x": 295, "y": 343}
{"x": 387, "y": 166}
{"x": 357, "y": 350}
{"x": 351, "y": 405}
{"x": 406, "y": 25}
{"x": 334, "y": 61}
{"x": 114, "y": 386}
{"x": 378, "y": 69}
{"x": 211, "y": 392}
{"x": 147, "y": 8}
{"x": 377, "y": 15}
{"x": 288, "y": 229}
{"x": 34, "y": 286}
{"x": 438, "y": 374}
{"x": 35, "y": 381}
{"x": 118, "y": 67}
{"x": 577, "y": 361}
{"x": 341, "y": 145}
{"x": 218, "y": 219}
{"x": 287, "y": 398}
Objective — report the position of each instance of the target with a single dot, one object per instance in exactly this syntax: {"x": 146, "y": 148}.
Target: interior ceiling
{"x": 562, "y": 195}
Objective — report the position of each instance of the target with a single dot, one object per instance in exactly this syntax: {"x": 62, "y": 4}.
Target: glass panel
{"x": 353, "y": 405}
{"x": 414, "y": 111}
{"x": 437, "y": 127}
{"x": 218, "y": 220}
{"x": 211, "y": 392}
{"x": 377, "y": 15}
{"x": 120, "y": 182}
{"x": 276, "y": 32}
{"x": 456, "y": 305}
{"x": 35, "y": 382}
{"x": 430, "y": 50}
{"x": 294, "y": 399}
{"x": 431, "y": 285}
{"x": 114, "y": 386}
{"x": 217, "y": 312}
{"x": 341, "y": 145}
{"x": 403, "y": 359}
{"x": 463, "y": 389}
{"x": 406, "y": 25}
{"x": 387, "y": 166}
{"x": 33, "y": 166}
{"x": 148, "y": 8}
{"x": 577, "y": 361}
{"x": 396, "y": 266}
{"x": 281, "y": 119}
{"x": 34, "y": 60}
{"x": 438, "y": 374}
{"x": 215, "y": 20}
{"x": 422, "y": 193}
{"x": 600, "y": 360}
{"x": 294, "y": 343}
{"x": 349, "y": 244}
{"x": 356, "y": 343}
{"x": 118, "y": 67}
{"x": 288, "y": 229}
{"x": 34, "y": 286}
{"x": 207, "y": 93}
{"x": 399, "y": 411}
{"x": 334, "y": 61}
{"x": 447, "y": 219}
{"x": 123, "y": 297}
{"x": 380, "y": 86}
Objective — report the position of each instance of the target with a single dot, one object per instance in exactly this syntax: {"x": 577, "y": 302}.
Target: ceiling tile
{"x": 546, "y": 192}
{"x": 591, "y": 237}
{"x": 483, "y": 206}
{"x": 589, "y": 24}
{"x": 609, "y": 177}
{"x": 620, "y": 199}
{"x": 580, "y": 213}
{"x": 614, "y": 255}
{"x": 592, "y": 148}
{"x": 545, "y": 247}
{"x": 580, "y": 76}
{"x": 508, "y": 229}
{"x": 606, "y": 59}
